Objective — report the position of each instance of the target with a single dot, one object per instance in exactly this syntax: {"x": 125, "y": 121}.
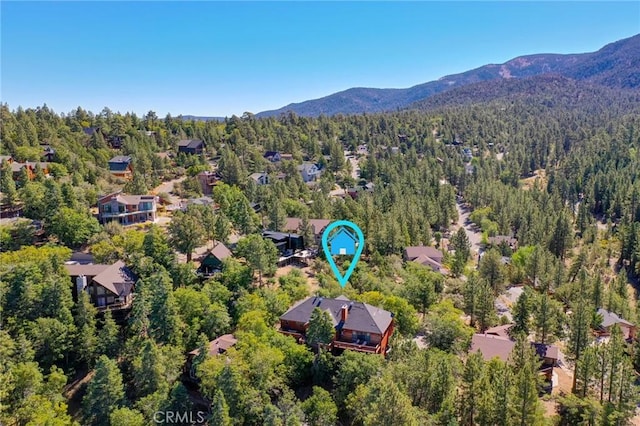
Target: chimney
{"x": 344, "y": 312}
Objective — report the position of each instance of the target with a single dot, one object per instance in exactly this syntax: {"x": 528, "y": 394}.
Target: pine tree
{"x": 86, "y": 328}
{"x": 522, "y": 315}
{"x": 320, "y": 330}
{"x": 109, "y": 336}
{"x": 546, "y": 316}
{"x": 105, "y": 392}
{"x": 525, "y": 407}
{"x": 471, "y": 390}
{"x": 220, "y": 410}
{"x": 579, "y": 330}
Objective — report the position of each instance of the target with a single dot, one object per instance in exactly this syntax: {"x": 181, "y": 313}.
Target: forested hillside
{"x": 555, "y": 167}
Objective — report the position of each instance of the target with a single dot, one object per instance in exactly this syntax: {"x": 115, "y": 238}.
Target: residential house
{"x": 212, "y": 261}
{"x": 500, "y": 331}
{"x": 504, "y": 240}
{"x": 89, "y": 131}
{"x": 116, "y": 141}
{"x": 108, "y": 286}
{"x": 286, "y": 243}
{"x": 272, "y": 156}
{"x": 492, "y": 346}
{"x": 260, "y": 178}
{"x": 425, "y": 255}
{"x": 286, "y": 157}
{"x": 30, "y": 167}
{"x": 48, "y": 153}
{"x": 355, "y": 191}
{"x": 207, "y": 180}
{"x": 120, "y": 166}
{"x": 191, "y": 146}
{"x": 217, "y": 347}
{"x": 127, "y": 209}
{"x": 358, "y": 326}
{"x": 342, "y": 242}
{"x": 309, "y": 172}
{"x": 294, "y": 224}
{"x": 609, "y": 319}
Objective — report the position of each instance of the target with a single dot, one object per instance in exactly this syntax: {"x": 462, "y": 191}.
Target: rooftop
{"x": 361, "y": 316}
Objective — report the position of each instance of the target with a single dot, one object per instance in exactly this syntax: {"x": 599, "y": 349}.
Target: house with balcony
{"x": 108, "y": 286}
{"x": 207, "y": 180}
{"x": 359, "y": 326}
{"x": 127, "y": 209}
{"x": 191, "y": 146}
{"x": 120, "y": 166}
{"x": 317, "y": 227}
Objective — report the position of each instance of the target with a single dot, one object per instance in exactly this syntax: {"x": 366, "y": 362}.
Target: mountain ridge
{"x": 615, "y": 65}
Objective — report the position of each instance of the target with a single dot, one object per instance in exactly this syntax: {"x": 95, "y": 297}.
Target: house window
{"x": 121, "y": 208}
{"x": 99, "y": 290}
{"x": 106, "y": 208}
{"x": 361, "y": 337}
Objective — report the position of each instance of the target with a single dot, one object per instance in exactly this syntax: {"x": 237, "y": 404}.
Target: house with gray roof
{"x": 425, "y": 255}
{"x": 309, "y": 172}
{"x": 120, "y": 166}
{"x": 191, "y": 146}
{"x": 108, "y": 286}
{"x": 127, "y": 209}
{"x": 609, "y": 319}
{"x": 359, "y": 326}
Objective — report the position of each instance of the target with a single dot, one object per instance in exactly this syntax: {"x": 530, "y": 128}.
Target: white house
{"x": 260, "y": 178}
{"x": 309, "y": 172}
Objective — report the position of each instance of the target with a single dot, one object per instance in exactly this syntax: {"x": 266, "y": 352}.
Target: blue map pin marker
{"x": 342, "y": 238}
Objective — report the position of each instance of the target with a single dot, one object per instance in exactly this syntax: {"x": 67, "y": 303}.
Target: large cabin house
{"x": 108, "y": 286}
{"x": 494, "y": 346}
{"x": 609, "y": 319}
{"x": 425, "y": 255}
{"x": 127, "y": 209}
{"x": 191, "y": 146}
{"x": 120, "y": 166}
{"x": 216, "y": 347}
{"x": 286, "y": 243}
{"x": 359, "y": 326}
{"x": 317, "y": 227}
{"x": 213, "y": 260}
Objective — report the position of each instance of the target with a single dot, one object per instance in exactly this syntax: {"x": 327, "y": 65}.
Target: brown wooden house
{"x": 359, "y": 326}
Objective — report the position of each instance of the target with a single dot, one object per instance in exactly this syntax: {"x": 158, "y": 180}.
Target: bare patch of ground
{"x": 539, "y": 176}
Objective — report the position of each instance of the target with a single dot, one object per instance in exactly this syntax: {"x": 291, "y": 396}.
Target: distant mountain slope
{"x": 549, "y": 90}
{"x": 615, "y": 65}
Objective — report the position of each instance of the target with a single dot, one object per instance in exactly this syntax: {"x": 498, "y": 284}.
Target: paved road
{"x": 355, "y": 167}
{"x": 475, "y": 236}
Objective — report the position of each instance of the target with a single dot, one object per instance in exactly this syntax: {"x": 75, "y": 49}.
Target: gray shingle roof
{"x": 361, "y": 316}
{"x": 610, "y": 318}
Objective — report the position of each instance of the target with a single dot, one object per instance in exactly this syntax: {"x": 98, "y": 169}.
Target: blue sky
{"x": 224, "y": 58}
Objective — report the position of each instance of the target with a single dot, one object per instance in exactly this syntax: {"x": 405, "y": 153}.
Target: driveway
{"x": 168, "y": 188}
